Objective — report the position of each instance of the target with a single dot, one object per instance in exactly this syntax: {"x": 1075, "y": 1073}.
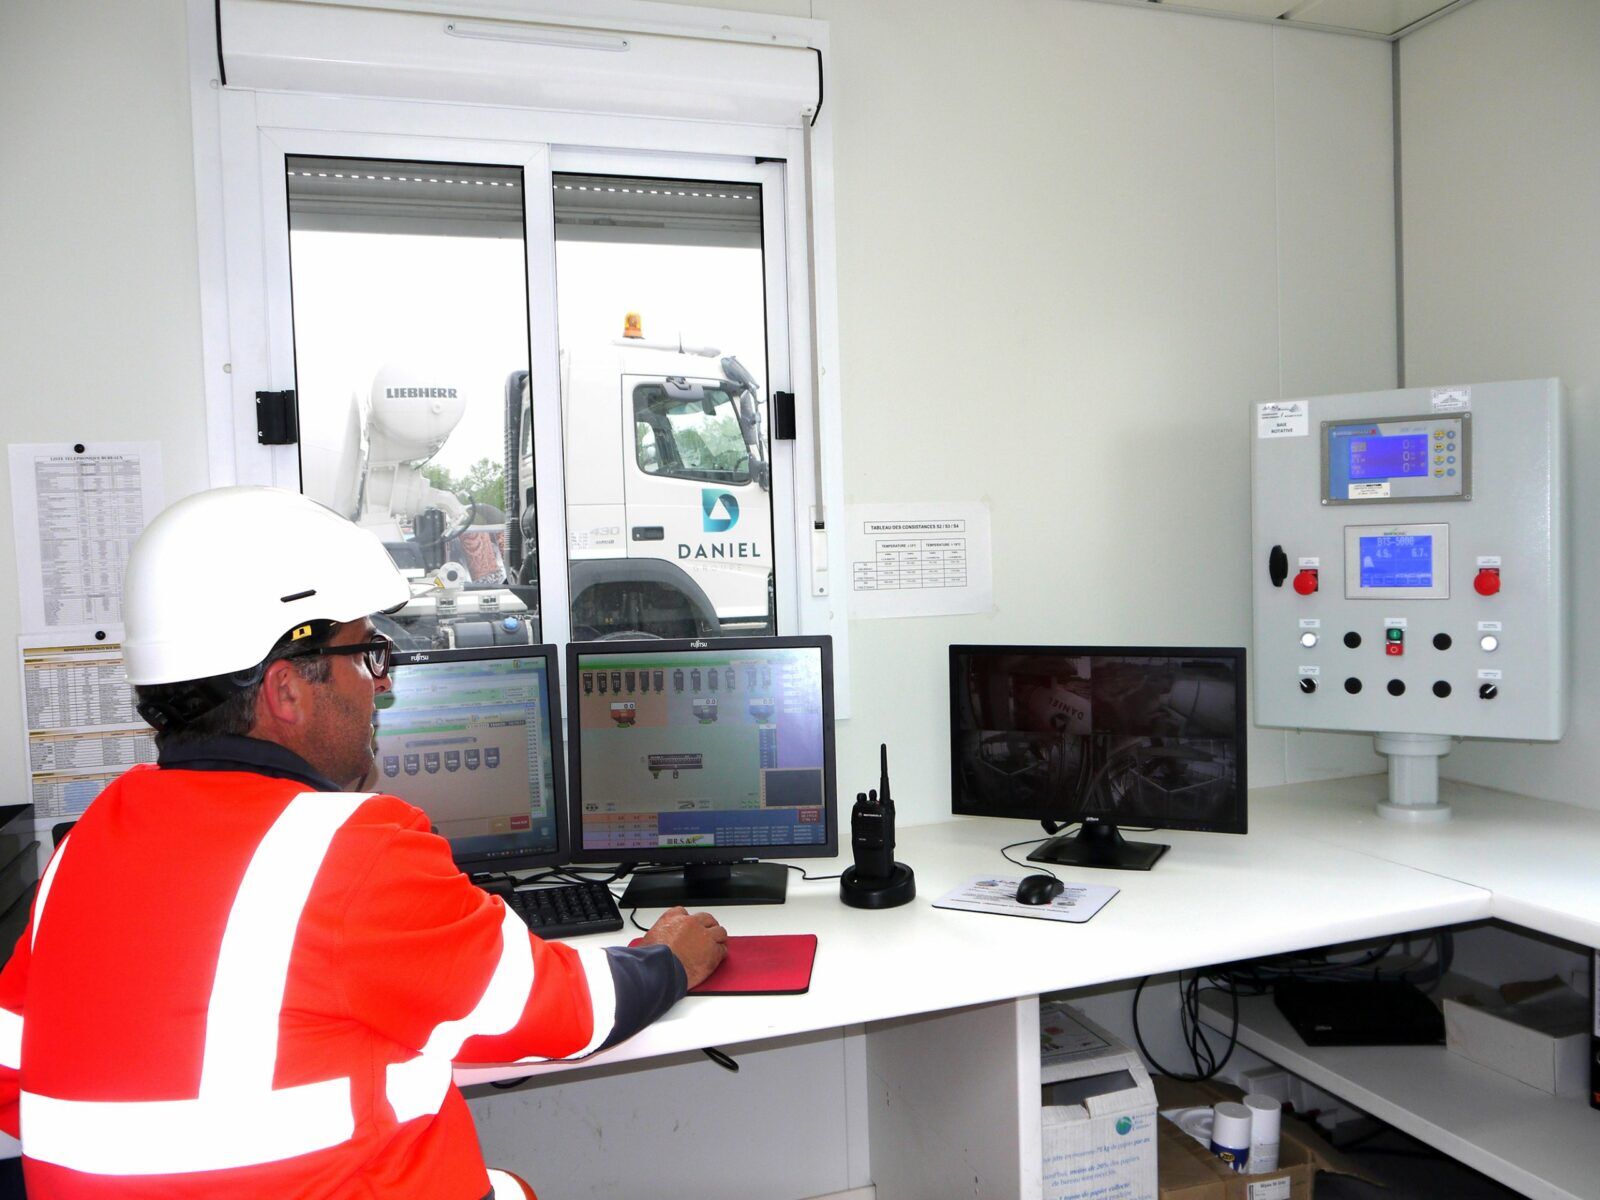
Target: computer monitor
{"x": 1150, "y": 736}
{"x": 473, "y": 739}
{"x": 700, "y": 756}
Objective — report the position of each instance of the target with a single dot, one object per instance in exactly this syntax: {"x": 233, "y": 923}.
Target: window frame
{"x": 241, "y": 139}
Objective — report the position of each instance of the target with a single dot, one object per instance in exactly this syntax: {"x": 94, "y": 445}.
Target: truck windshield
{"x": 689, "y": 438}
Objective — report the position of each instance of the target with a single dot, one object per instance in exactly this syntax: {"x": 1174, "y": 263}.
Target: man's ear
{"x": 285, "y": 697}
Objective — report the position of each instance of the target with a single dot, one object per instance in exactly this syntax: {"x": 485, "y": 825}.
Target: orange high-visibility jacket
{"x": 238, "y": 982}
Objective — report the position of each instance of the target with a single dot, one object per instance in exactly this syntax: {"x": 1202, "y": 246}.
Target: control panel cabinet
{"x": 1409, "y": 562}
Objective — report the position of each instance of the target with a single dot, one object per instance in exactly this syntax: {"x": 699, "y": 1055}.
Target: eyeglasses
{"x": 376, "y": 654}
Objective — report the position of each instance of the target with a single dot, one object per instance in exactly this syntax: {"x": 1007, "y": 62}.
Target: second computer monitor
{"x": 1148, "y": 736}
{"x": 699, "y": 755}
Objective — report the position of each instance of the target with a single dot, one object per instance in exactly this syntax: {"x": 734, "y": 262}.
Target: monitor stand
{"x": 707, "y": 883}
{"x": 1099, "y": 844}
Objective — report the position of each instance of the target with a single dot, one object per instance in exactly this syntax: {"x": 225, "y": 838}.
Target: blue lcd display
{"x": 1399, "y": 457}
{"x": 1397, "y": 561}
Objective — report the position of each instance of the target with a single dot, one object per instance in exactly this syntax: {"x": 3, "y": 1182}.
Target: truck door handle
{"x": 649, "y": 533}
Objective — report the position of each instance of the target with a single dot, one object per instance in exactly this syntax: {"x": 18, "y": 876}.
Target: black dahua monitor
{"x": 1144, "y": 736}
{"x": 473, "y": 739}
{"x": 699, "y": 756}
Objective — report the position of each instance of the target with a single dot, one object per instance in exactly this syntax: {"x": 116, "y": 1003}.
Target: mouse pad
{"x": 769, "y": 965}
{"x": 1077, "y": 903}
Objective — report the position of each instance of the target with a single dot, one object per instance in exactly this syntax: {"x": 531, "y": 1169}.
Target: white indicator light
{"x": 1308, "y": 639}
{"x": 1489, "y": 642}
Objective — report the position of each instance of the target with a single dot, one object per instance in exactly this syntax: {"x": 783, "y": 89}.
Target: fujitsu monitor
{"x": 473, "y": 739}
{"x": 700, "y": 757}
{"x": 1101, "y": 736}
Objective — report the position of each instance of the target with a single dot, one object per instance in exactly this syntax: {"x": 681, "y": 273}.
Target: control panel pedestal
{"x": 1414, "y": 776}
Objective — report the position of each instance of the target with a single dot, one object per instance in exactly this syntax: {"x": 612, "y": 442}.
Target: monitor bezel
{"x": 691, "y": 855}
{"x": 482, "y": 864}
{"x": 1065, "y": 815}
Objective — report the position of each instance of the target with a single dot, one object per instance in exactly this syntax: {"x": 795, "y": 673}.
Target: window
{"x": 536, "y": 352}
{"x": 410, "y": 316}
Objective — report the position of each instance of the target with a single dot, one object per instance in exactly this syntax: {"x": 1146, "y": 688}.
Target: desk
{"x": 938, "y": 1010}
{"x": 875, "y": 966}
{"x": 1539, "y": 860}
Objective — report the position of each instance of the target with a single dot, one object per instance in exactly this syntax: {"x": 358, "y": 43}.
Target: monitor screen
{"x": 472, "y": 738}
{"x": 705, "y": 751}
{"x": 1139, "y": 736}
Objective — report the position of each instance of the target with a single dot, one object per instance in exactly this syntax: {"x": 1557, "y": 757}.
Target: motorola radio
{"x": 876, "y": 880}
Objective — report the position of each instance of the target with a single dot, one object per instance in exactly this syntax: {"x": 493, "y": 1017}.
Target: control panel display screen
{"x": 1388, "y": 457}
{"x": 1397, "y": 561}
{"x": 1395, "y": 460}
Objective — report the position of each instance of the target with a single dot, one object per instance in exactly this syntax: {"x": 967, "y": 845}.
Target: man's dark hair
{"x": 223, "y": 705}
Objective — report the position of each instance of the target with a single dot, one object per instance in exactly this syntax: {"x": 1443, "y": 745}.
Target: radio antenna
{"x": 883, "y": 774}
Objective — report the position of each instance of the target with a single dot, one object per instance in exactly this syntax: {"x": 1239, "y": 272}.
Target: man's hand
{"x": 699, "y": 942}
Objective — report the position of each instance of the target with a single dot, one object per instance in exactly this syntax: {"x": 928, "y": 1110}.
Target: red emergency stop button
{"x": 1306, "y": 581}
{"x": 1487, "y": 582}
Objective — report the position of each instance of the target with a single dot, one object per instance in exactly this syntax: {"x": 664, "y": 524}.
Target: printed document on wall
{"x": 80, "y": 730}
{"x": 919, "y": 560}
{"x": 76, "y": 509}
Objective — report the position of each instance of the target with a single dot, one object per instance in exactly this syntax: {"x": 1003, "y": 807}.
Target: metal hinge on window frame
{"x": 783, "y": 416}
{"x": 277, "y": 418}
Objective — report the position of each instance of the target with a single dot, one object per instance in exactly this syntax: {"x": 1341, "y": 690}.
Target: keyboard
{"x": 567, "y": 909}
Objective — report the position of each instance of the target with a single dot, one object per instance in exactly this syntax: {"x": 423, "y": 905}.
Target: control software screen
{"x": 467, "y": 741}
{"x": 701, "y": 749}
{"x": 1397, "y": 561}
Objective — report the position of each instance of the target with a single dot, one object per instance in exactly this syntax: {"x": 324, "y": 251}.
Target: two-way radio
{"x": 876, "y": 880}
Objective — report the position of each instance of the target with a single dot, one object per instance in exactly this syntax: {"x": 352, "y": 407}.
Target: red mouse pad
{"x": 771, "y": 965}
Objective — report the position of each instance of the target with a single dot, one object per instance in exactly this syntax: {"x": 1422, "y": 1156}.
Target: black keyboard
{"x": 567, "y": 909}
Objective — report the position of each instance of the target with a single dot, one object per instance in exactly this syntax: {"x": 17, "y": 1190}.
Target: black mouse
{"x": 1039, "y": 889}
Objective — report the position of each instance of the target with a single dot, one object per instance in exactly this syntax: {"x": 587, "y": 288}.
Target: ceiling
{"x": 1387, "y": 19}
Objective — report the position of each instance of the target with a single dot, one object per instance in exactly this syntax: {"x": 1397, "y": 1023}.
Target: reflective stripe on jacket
{"x": 235, "y": 986}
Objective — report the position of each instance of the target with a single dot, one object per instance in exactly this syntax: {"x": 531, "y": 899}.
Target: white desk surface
{"x": 1212, "y": 898}
{"x": 1539, "y": 859}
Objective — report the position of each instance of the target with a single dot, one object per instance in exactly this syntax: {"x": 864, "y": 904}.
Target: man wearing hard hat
{"x": 244, "y": 978}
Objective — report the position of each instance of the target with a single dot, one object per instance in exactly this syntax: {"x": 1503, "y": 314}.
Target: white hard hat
{"x": 219, "y": 577}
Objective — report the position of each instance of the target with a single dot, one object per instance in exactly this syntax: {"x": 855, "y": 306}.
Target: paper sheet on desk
{"x": 1077, "y": 903}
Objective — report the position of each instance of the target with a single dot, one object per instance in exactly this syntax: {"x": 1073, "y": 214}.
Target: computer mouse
{"x": 1039, "y": 889}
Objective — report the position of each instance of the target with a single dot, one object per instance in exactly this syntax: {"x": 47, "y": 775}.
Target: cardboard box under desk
{"x": 1186, "y": 1170}
{"x": 1542, "y": 1042}
{"x": 1098, "y": 1123}
{"x": 1308, "y": 1144}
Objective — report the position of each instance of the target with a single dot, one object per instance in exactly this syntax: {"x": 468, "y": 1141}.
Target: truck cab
{"x": 668, "y": 491}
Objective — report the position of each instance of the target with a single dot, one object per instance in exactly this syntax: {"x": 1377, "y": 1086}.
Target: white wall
{"x": 100, "y": 309}
{"x": 1500, "y": 104}
{"x": 1076, "y": 241}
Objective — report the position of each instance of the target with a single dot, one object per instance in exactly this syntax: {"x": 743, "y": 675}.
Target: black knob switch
{"x": 1277, "y": 566}
{"x": 1307, "y": 684}
{"x": 1488, "y": 691}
